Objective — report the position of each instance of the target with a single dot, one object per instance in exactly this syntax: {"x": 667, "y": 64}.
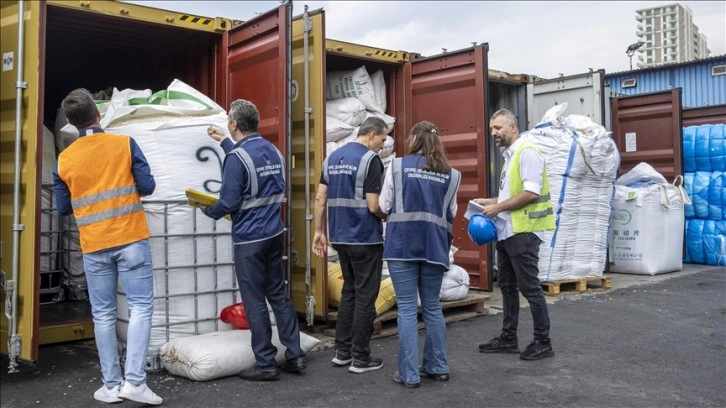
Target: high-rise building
{"x": 669, "y": 35}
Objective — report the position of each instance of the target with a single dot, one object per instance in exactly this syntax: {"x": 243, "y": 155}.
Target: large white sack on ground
{"x": 455, "y": 284}
{"x": 379, "y": 89}
{"x": 336, "y": 129}
{"x": 355, "y": 83}
{"x": 647, "y": 229}
{"x": 350, "y": 111}
{"x": 219, "y": 354}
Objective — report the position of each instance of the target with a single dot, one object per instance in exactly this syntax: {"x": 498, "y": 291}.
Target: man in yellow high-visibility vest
{"x": 525, "y": 208}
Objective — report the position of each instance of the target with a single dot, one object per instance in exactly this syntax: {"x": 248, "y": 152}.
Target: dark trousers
{"x": 258, "y": 266}
{"x": 361, "y": 266}
{"x": 518, "y": 256}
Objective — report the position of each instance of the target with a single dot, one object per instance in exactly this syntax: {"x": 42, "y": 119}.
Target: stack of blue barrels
{"x": 704, "y": 156}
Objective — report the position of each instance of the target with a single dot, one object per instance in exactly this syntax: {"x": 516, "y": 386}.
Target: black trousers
{"x": 258, "y": 266}
{"x": 518, "y": 256}
{"x": 361, "y": 266}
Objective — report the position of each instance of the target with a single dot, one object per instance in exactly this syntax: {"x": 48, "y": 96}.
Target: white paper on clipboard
{"x": 472, "y": 209}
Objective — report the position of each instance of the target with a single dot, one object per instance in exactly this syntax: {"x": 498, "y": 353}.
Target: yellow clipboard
{"x": 194, "y": 196}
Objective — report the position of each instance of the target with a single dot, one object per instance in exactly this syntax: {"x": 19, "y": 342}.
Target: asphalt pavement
{"x": 651, "y": 341}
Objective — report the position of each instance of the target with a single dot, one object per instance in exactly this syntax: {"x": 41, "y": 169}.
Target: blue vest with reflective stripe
{"x": 420, "y": 224}
{"x": 258, "y": 217}
{"x": 349, "y": 220}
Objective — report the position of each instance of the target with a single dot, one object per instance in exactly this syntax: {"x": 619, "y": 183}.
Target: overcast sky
{"x": 543, "y": 38}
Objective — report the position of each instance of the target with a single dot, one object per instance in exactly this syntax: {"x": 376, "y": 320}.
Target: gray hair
{"x": 80, "y": 108}
{"x": 508, "y": 115}
{"x": 245, "y": 114}
{"x": 372, "y": 124}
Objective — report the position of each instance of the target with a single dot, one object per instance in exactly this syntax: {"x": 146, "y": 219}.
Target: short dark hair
{"x": 372, "y": 124}
{"x": 245, "y": 114}
{"x": 80, "y": 108}
{"x": 507, "y": 114}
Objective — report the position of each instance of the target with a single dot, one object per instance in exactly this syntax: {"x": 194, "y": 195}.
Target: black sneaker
{"x": 341, "y": 358}
{"x": 438, "y": 377}
{"x": 359, "y": 366}
{"x": 536, "y": 350}
{"x": 398, "y": 380}
{"x": 500, "y": 345}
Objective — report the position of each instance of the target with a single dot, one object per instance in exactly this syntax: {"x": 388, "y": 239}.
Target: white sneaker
{"x": 109, "y": 395}
{"x": 139, "y": 393}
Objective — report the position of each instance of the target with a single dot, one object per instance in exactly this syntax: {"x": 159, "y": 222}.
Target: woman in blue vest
{"x": 419, "y": 194}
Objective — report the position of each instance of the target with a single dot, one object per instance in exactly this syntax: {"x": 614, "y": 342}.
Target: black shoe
{"x": 341, "y": 358}
{"x": 294, "y": 365}
{"x": 359, "y": 366}
{"x": 500, "y": 345}
{"x": 537, "y": 349}
{"x": 398, "y": 380}
{"x": 438, "y": 377}
{"x": 255, "y": 373}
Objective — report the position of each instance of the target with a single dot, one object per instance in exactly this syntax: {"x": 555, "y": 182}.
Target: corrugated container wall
{"x": 703, "y": 82}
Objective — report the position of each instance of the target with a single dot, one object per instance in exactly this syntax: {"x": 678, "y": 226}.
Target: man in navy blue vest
{"x": 349, "y": 189}
{"x": 253, "y": 189}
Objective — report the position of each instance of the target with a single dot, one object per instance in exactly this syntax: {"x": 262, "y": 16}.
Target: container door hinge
{"x": 21, "y": 85}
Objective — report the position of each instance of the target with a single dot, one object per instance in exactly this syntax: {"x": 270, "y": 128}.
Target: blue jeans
{"x": 410, "y": 278}
{"x": 258, "y": 266}
{"x": 132, "y": 265}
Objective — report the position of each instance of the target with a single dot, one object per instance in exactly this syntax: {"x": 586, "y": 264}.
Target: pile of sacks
{"x": 352, "y": 97}
{"x": 582, "y": 162}
{"x": 704, "y": 160}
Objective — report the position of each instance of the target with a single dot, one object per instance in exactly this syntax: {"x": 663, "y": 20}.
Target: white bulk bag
{"x": 350, "y": 111}
{"x": 336, "y": 129}
{"x": 219, "y": 354}
{"x": 356, "y": 84}
{"x": 379, "y": 89}
{"x": 387, "y": 148}
{"x": 647, "y": 224}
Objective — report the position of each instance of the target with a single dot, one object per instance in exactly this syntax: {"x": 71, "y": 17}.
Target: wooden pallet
{"x": 554, "y": 288}
{"x": 385, "y": 324}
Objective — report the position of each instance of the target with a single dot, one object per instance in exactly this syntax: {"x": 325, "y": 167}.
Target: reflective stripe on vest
{"x": 253, "y": 201}
{"x": 400, "y": 216}
{"x": 537, "y": 215}
{"x": 360, "y": 178}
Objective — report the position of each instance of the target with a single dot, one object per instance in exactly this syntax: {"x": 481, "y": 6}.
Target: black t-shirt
{"x": 374, "y": 178}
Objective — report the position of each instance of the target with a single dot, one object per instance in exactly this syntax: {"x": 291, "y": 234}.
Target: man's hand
{"x": 320, "y": 245}
{"x": 198, "y": 205}
{"x": 485, "y": 201}
{"x": 216, "y": 133}
{"x": 491, "y": 210}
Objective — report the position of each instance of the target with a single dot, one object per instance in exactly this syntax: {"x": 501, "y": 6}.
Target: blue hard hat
{"x": 481, "y": 229}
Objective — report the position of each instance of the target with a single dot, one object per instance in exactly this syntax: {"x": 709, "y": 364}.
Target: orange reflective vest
{"x": 108, "y": 210}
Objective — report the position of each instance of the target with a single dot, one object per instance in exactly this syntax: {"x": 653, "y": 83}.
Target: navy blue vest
{"x": 349, "y": 220}
{"x": 420, "y": 224}
{"x": 258, "y": 217}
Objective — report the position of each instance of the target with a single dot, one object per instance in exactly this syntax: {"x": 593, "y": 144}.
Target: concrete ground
{"x": 650, "y": 341}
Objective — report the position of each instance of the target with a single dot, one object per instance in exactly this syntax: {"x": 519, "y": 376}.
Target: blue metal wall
{"x": 699, "y": 87}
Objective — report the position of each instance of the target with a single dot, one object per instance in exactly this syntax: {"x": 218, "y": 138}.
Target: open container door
{"x": 19, "y": 332}
{"x": 256, "y": 66}
{"x": 309, "y": 273}
{"x": 450, "y": 90}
